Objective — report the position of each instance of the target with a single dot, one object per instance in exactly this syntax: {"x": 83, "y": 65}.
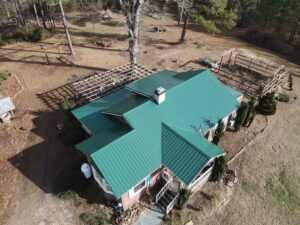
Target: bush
{"x": 68, "y": 105}
{"x": 70, "y": 195}
{"x": 219, "y": 132}
{"x": 3, "y": 77}
{"x": 241, "y": 115}
{"x": 251, "y": 109}
{"x": 267, "y": 104}
{"x": 183, "y": 198}
{"x": 220, "y": 167}
{"x": 30, "y": 33}
{"x": 267, "y": 40}
{"x": 90, "y": 219}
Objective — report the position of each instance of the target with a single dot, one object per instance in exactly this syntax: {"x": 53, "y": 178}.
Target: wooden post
{"x": 46, "y": 54}
{"x": 230, "y": 56}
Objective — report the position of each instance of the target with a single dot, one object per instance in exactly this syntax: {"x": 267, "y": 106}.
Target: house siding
{"x": 129, "y": 202}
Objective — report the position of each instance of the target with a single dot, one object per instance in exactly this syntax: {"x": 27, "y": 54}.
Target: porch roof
{"x": 186, "y": 152}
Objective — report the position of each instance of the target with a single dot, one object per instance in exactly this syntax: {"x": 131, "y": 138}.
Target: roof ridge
{"x": 182, "y": 138}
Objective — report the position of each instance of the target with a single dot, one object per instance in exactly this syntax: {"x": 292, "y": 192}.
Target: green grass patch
{"x": 91, "y": 219}
{"x": 3, "y": 77}
{"x": 283, "y": 190}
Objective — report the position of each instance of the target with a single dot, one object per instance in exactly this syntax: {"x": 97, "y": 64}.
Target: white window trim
{"x": 132, "y": 193}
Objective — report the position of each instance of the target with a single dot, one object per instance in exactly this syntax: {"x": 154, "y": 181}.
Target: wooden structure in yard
{"x": 94, "y": 85}
{"x": 100, "y": 84}
{"x": 252, "y": 75}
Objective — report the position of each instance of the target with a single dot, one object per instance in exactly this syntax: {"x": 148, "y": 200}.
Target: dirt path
{"x": 37, "y": 163}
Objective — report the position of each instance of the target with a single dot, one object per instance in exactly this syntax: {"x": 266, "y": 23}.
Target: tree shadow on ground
{"x": 56, "y": 63}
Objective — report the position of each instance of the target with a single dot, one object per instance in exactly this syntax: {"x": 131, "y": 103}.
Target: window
{"x": 140, "y": 186}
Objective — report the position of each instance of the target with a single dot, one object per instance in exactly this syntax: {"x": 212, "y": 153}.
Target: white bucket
{"x": 86, "y": 170}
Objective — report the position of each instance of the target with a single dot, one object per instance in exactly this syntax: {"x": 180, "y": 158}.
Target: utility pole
{"x": 66, "y": 27}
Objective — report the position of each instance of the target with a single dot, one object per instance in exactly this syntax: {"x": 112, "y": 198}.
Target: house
{"x": 158, "y": 126}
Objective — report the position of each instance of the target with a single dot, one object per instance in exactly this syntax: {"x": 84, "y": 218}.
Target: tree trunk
{"x": 182, "y": 38}
{"x": 132, "y": 19}
{"x": 36, "y": 15}
{"x": 181, "y": 12}
{"x": 66, "y": 28}
{"x": 6, "y": 8}
{"x": 19, "y": 14}
{"x": 294, "y": 30}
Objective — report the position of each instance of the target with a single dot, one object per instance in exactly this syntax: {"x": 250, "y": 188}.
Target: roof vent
{"x": 160, "y": 95}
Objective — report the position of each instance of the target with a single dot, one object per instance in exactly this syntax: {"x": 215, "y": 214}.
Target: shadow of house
{"x": 43, "y": 162}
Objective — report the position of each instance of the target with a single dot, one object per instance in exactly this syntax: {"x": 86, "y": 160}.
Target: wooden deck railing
{"x": 163, "y": 191}
{"x": 172, "y": 204}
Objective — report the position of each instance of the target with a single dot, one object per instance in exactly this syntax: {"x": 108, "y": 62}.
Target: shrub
{"x": 220, "y": 167}
{"x": 90, "y": 219}
{"x": 283, "y": 97}
{"x": 3, "y": 77}
{"x": 241, "y": 116}
{"x": 30, "y": 33}
{"x": 267, "y": 104}
{"x": 219, "y": 132}
{"x": 183, "y": 198}
{"x": 68, "y": 104}
{"x": 251, "y": 108}
{"x": 70, "y": 195}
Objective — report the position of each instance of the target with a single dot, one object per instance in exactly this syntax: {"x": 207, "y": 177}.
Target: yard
{"x": 31, "y": 156}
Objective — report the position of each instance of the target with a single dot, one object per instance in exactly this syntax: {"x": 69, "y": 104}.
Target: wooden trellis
{"x": 269, "y": 74}
{"x": 100, "y": 84}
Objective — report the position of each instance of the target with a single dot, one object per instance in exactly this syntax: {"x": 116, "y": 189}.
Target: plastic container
{"x": 86, "y": 170}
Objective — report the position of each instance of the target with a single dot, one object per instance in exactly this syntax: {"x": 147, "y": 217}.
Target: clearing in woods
{"x": 268, "y": 188}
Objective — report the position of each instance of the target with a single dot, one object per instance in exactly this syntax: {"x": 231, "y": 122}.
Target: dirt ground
{"x": 37, "y": 155}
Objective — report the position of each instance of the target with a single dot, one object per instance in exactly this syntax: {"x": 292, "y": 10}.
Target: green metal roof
{"x": 166, "y": 79}
{"x": 234, "y": 92}
{"x": 195, "y": 103}
{"x": 125, "y": 105}
{"x": 90, "y": 114}
{"x": 186, "y": 152}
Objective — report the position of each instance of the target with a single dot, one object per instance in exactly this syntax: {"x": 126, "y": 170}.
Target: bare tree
{"x": 183, "y": 33}
{"x": 131, "y": 11}
{"x": 6, "y": 8}
{"x": 66, "y": 28}
{"x": 19, "y": 12}
{"x": 185, "y": 6}
{"x": 35, "y": 13}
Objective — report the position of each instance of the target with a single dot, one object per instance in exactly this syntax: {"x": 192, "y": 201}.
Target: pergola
{"x": 101, "y": 83}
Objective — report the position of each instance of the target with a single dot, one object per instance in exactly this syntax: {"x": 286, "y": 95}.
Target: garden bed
{"x": 232, "y": 142}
